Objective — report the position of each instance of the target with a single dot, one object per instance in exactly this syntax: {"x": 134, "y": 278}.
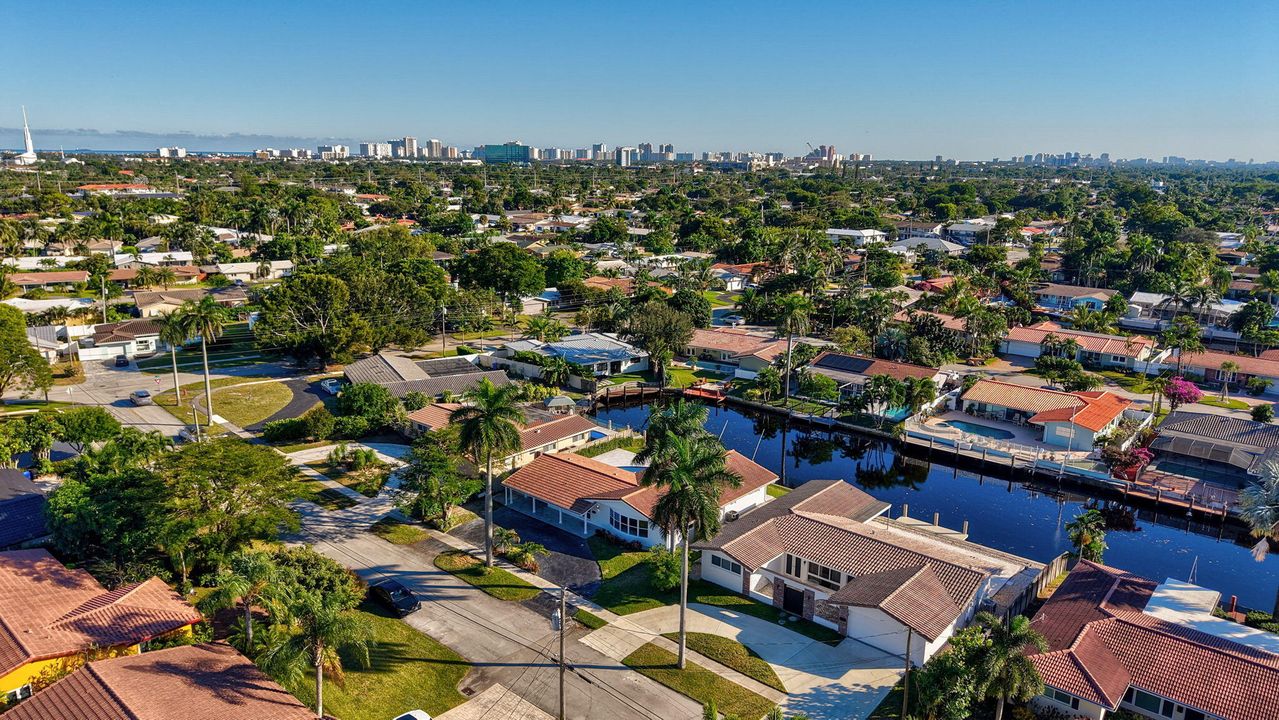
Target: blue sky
{"x": 897, "y": 79}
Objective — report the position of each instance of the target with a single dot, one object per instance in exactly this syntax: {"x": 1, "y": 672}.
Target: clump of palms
{"x": 1005, "y": 672}
{"x": 250, "y": 578}
{"x": 489, "y": 426}
{"x": 311, "y": 634}
{"x": 1087, "y": 532}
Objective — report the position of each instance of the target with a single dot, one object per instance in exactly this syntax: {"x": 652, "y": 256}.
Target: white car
{"x": 332, "y": 386}
{"x": 414, "y": 715}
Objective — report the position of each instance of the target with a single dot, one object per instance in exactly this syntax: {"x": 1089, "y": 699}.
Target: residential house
{"x": 625, "y": 284}
{"x": 131, "y": 338}
{"x": 969, "y": 231}
{"x": 50, "y": 614}
{"x": 196, "y": 682}
{"x": 183, "y": 275}
{"x": 917, "y": 245}
{"x": 543, "y": 435}
{"x": 915, "y": 229}
{"x": 935, "y": 285}
{"x": 732, "y": 280}
{"x": 1221, "y": 449}
{"x": 822, "y": 552}
{"x": 155, "y": 302}
{"x": 434, "y": 378}
{"x": 48, "y": 340}
{"x": 1118, "y": 642}
{"x": 53, "y": 281}
{"x": 1094, "y": 349}
{"x": 726, "y": 346}
{"x": 1154, "y": 312}
{"x": 154, "y": 259}
{"x": 1064, "y": 298}
{"x": 852, "y": 372}
{"x": 1069, "y": 420}
{"x": 243, "y": 272}
{"x": 1207, "y": 364}
{"x": 857, "y": 238}
{"x": 601, "y": 353}
{"x": 22, "y": 507}
{"x": 583, "y": 495}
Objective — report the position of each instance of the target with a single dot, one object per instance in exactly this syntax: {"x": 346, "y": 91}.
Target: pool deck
{"x": 1024, "y": 440}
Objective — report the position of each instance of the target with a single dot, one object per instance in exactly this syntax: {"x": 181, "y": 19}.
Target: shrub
{"x": 466, "y": 350}
{"x": 1264, "y": 413}
{"x": 351, "y": 428}
{"x": 415, "y": 400}
{"x": 665, "y": 566}
{"x": 284, "y": 430}
{"x": 319, "y": 423}
{"x": 1255, "y": 386}
{"x": 1181, "y": 391}
{"x": 372, "y": 402}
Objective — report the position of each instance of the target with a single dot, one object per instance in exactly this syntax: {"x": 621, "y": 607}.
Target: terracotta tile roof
{"x": 1088, "y": 341}
{"x": 729, "y": 340}
{"x": 950, "y": 322}
{"x": 549, "y": 431}
{"x": 1248, "y": 365}
{"x": 1092, "y": 410}
{"x": 114, "y": 186}
{"x": 124, "y": 331}
{"x": 56, "y": 277}
{"x": 48, "y": 610}
{"x": 913, "y": 596}
{"x": 228, "y": 295}
{"x": 851, "y": 368}
{"x": 435, "y": 415}
{"x": 198, "y": 682}
{"x": 1101, "y": 642}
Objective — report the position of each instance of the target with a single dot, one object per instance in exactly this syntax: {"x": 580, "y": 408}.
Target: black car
{"x": 395, "y": 597}
{"x": 122, "y": 361}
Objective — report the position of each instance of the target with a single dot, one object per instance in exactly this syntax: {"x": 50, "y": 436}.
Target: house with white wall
{"x": 1069, "y": 420}
{"x": 1092, "y": 349}
{"x": 823, "y": 552}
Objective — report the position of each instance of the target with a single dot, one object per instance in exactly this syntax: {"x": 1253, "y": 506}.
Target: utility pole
{"x": 444, "y": 313}
{"x": 906, "y": 677}
{"x": 104, "y": 298}
{"x": 563, "y": 625}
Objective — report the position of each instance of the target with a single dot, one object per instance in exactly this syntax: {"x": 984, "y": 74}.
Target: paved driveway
{"x": 570, "y": 563}
{"x": 306, "y": 395}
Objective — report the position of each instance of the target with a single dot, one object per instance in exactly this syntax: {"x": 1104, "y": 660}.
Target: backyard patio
{"x": 958, "y": 429}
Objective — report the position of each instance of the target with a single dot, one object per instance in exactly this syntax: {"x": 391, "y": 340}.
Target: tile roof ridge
{"x": 1202, "y": 640}
{"x": 103, "y": 683}
{"x": 1087, "y": 674}
{"x": 17, "y": 639}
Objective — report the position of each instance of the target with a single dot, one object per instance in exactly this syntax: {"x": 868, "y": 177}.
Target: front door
{"x": 793, "y": 601}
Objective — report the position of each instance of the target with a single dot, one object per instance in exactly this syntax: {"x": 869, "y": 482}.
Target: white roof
{"x": 34, "y": 263}
{"x": 252, "y": 267}
{"x": 855, "y": 233}
{"x": 34, "y": 306}
{"x": 935, "y": 243}
{"x": 155, "y": 258}
{"x": 1191, "y": 606}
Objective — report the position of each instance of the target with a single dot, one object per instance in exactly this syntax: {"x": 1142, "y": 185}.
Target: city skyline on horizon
{"x": 906, "y": 81}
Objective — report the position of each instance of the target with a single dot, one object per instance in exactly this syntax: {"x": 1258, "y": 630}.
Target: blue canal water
{"x": 1026, "y": 519}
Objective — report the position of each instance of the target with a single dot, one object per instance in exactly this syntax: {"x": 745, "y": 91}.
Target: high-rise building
{"x": 625, "y": 156}
{"x": 451, "y": 152}
{"x": 684, "y": 157}
{"x": 582, "y": 154}
{"x": 375, "y": 149}
{"x": 171, "y": 152}
{"x": 666, "y": 148}
{"x": 433, "y": 148}
{"x": 599, "y": 151}
{"x": 333, "y": 152}
{"x": 405, "y": 147}
{"x": 510, "y": 152}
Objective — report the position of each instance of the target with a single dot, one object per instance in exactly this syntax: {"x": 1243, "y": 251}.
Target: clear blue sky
{"x": 897, "y": 79}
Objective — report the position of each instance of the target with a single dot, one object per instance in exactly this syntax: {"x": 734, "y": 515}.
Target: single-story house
{"x": 1068, "y": 297}
{"x": 154, "y": 302}
{"x": 841, "y": 236}
{"x": 1153, "y": 312}
{"x": 1216, "y": 448}
{"x": 559, "y": 434}
{"x": 1120, "y": 642}
{"x": 920, "y": 244}
{"x": 584, "y": 495}
{"x": 1208, "y": 364}
{"x": 48, "y": 340}
{"x": 250, "y": 271}
{"x": 51, "y": 613}
{"x": 196, "y": 681}
{"x": 725, "y": 346}
{"x": 53, "y": 280}
{"x": 1069, "y": 420}
{"x": 602, "y": 353}
{"x": 624, "y": 284}
{"x": 183, "y": 275}
{"x": 852, "y": 372}
{"x": 1095, "y": 349}
{"x": 440, "y": 376}
{"x": 823, "y": 553}
{"x": 155, "y": 259}
{"x": 21, "y": 509}
{"x": 130, "y": 338}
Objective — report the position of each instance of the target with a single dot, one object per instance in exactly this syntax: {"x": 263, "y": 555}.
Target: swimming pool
{"x": 978, "y": 429}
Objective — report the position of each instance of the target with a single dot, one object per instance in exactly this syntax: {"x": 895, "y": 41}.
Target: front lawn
{"x": 1228, "y": 403}
{"x": 398, "y": 533}
{"x": 589, "y": 619}
{"x": 495, "y": 581}
{"x": 1132, "y": 382}
{"x": 367, "y": 481}
{"x": 684, "y": 377}
{"x": 241, "y": 406}
{"x": 407, "y": 671}
{"x": 323, "y": 495}
{"x": 775, "y": 490}
{"x": 697, "y": 683}
{"x": 613, "y": 559}
{"x": 732, "y": 654}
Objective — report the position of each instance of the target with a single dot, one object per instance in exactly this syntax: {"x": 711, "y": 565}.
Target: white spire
{"x": 28, "y": 156}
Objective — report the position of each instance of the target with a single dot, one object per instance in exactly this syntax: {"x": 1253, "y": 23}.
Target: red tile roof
{"x": 729, "y": 340}
{"x": 950, "y": 322}
{"x": 1101, "y": 642}
{"x": 1093, "y": 410}
{"x": 914, "y": 596}
{"x": 544, "y": 433}
{"x": 1248, "y": 365}
{"x": 435, "y": 415}
{"x": 198, "y": 682}
{"x": 57, "y": 277}
{"x": 48, "y": 610}
{"x": 1088, "y": 341}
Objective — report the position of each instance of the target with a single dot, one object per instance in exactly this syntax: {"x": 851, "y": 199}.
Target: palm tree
{"x": 893, "y": 343}
{"x": 250, "y": 579}
{"x": 690, "y": 474}
{"x": 204, "y": 319}
{"x": 146, "y": 277}
{"x": 792, "y": 318}
{"x": 1157, "y": 385}
{"x": 1087, "y": 532}
{"x": 1259, "y": 508}
{"x": 1268, "y": 282}
{"x": 545, "y": 328}
{"x": 166, "y": 276}
{"x": 173, "y": 333}
{"x": 488, "y": 426}
{"x": 1226, "y": 372}
{"x": 1006, "y": 673}
{"x": 555, "y": 370}
{"x": 679, "y": 419}
{"x": 317, "y": 632}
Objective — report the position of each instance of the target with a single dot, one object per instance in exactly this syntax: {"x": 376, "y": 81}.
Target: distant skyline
{"x": 901, "y": 80}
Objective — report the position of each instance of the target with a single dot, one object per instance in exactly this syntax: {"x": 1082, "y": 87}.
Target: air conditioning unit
{"x": 731, "y": 515}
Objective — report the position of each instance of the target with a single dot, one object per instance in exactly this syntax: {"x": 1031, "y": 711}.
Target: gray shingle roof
{"x": 455, "y": 384}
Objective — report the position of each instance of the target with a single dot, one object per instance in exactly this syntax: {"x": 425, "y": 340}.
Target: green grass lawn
{"x": 627, "y": 587}
{"x": 241, "y": 406}
{"x": 287, "y": 448}
{"x": 1132, "y": 382}
{"x": 776, "y": 491}
{"x": 399, "y": 533}
{"x": 324, "y": 496}
{"x": 732, "y": 654}
{"x": 1228, "y": 403}
{"x": 407, "y": 671}
{"x": 633, "y": 444}
{"x": 697, "y": 682}
{"x": 495, "y": 581}
{"x": 589, "y": 619}
{"x": 367, "y": 481}
{"x": 683, "y": 377}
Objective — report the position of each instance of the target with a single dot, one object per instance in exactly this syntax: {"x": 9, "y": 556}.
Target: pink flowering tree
{"x": 1181, "y": 391}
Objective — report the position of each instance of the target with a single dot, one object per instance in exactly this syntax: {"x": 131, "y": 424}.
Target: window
{"x": 1063, "y": 698}
{"x": 21, "y": 693}
{"x": 725, "y": 563}
{"x": 824, "y": 576}
{"x": 628, "y": 525}
{"x": 794, "y": 566}
{"x": 1151, "y": 703}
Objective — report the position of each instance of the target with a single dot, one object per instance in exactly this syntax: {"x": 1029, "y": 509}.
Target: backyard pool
{"x": 978, "y": 429}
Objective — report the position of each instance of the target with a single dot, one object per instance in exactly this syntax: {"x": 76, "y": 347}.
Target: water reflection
{"x": 1028, "y": 519}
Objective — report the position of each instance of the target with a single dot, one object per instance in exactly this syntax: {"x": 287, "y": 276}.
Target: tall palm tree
{"x": 679, "y": 419}
{"x": 1087, "y": 532}
{"x": 1268, "y": 282}
{"x": 173, "y": 333}
{"x": 248, "y": 580}
{"x": 317, "y": 632}
{"x": 1259, "y": 508}
{"x": 146, "y": 277}
{"x": 545, "y": 328}
{"x": 489, "y": 425}
{"x": 1227, "y": 371}
{"x": 793, "y": 313}
{"x": 166, "y": 276}
{"x": 1006, "y": 673}
{"x": 204, "y": 319}
{"x": 690, "y": 476}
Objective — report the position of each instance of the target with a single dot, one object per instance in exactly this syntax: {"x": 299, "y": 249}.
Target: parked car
{"x": 395, "y": 597}
{"x": 734, "y": 320}
{"x": 414, "y": 715}
{"x": 188, "y": 434}
{"x": 141, "y": 397}
{"x": 331, "y": 386}
{"x": 122, "y": 361}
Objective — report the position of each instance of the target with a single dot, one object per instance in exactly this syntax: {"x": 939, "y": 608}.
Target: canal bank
{"x": 1017, "y": 513}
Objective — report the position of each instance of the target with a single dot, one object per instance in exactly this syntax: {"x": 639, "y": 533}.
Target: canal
{"x": 1024, "y": 518}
